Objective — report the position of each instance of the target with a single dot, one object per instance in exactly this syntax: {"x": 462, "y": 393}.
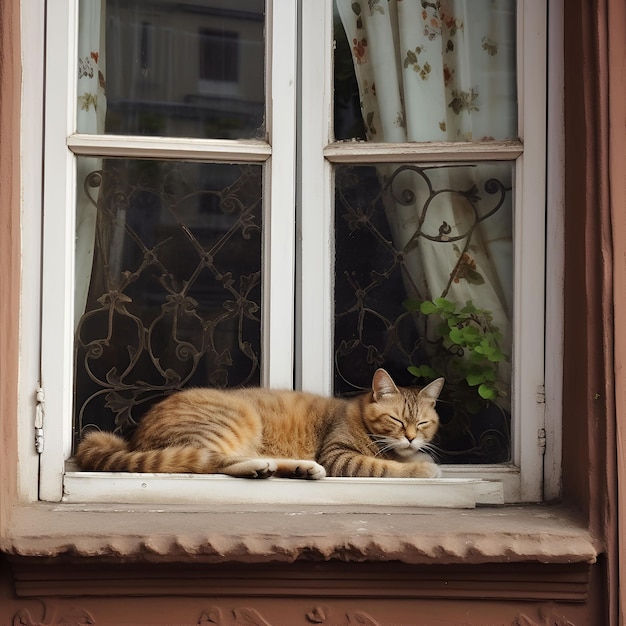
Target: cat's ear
{"x": 432, "y": 390}
{"x": 383, "y": 385}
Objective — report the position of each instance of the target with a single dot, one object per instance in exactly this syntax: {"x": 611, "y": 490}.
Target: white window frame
{"x": 523, "y": 477}
{"x": 63, "y": 144}
{"x": 312, "y": 327}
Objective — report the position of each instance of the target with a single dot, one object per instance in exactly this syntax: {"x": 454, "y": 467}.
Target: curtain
{"x": 442, "y": 71}
{"x": 91, "y": 113}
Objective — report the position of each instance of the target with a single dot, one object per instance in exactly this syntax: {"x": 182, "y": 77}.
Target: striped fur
{"x": 256, "y": 433}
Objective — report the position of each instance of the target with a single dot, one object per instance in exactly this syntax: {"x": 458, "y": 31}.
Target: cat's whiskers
{"x": 432, "y": 450}
{"x": 383, "y": 443}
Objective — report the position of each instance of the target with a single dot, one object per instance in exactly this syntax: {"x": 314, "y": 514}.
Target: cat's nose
{"x": 415, "y": 443}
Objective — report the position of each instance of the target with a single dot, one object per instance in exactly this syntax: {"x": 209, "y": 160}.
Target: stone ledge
{"x": 147, "y": 533}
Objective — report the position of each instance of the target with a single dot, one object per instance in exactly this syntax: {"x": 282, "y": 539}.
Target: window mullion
{"x": 315, "y": 173}
{"x": 279, "y": 255}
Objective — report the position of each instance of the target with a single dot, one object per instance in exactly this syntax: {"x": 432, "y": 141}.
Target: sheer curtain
{"x": 91, "y": 113}
{"x": 441, "y": 71}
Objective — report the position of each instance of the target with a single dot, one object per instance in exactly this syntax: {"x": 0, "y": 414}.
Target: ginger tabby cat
{"x": 257, "y": 433}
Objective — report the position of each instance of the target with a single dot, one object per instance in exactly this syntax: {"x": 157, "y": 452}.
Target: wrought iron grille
{"x": 373, "y": 326}
{"x": 175, "y": 292}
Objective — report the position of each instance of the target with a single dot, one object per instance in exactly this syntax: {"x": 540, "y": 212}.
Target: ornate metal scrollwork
{"x": 373, "y": 278}
{"x": 175, "y": 288}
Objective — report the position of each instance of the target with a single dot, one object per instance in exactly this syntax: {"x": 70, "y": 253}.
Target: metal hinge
{"x": 541, "y": 394}
{"x": 39, "y": 415}
{"x": 541, "y": 433}
{"x": 541, "y": 440}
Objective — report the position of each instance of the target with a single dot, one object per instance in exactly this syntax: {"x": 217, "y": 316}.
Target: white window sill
{"x": 141, "y": 488}
{"x": 285, "y": 533}
{"x": 462, "y": 486}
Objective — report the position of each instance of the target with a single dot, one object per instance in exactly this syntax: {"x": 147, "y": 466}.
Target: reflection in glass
{"x": 424, "y": 288}
{"x": 174, "y": 289}
{"x": 425, "y": 71}
{"x": 154, "y": 67}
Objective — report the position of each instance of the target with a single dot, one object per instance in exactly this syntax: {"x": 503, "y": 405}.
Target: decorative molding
{"x": 542, "y": 616}
{"x": 361, "y": 618}
{"x": 323, "y": 615}
{"x": 548, "y": 614}
{"x": 318, "y": 614}
{"x": 73, "y": 617}
{"x": 251, "y": 617}
{"x": 243, "y": 617}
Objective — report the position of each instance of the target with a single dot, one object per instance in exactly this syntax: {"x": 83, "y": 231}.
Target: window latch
{"x": 39, "y": 414}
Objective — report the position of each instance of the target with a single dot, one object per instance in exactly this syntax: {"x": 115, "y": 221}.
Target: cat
{"x": 257, "y": 433}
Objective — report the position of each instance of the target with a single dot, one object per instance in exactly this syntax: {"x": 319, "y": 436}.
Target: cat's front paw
{"x": 264, "y": 471}
{"x": 316, "y": 472}
{"x": 310, "y": 470}
{"x": 252, "y": 468}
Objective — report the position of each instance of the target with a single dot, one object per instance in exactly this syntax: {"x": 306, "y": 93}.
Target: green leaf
{"x": 487, "y": 392}
{"x": 490, "y": 375}
{"x": 485, "y": 349}
{"x": 496, "y": 356}
{"x": 475, "y": 379}
{"x": 427, "y": 307}
{"x": 422, "y": 371}
{"x": 457, "y": 336}
{"x": 471, "y": 331}
{"x": 445, "y": 305}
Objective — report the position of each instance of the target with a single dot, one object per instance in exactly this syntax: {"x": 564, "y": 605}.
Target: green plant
{"x": 464, "y": 348}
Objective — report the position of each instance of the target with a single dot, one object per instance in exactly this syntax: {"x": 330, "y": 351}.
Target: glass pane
{"x": 168, "y": 283}
{"x": 424, "y": 288}
{"x": 154, "y": 67}
{"x": 407, "y": 70}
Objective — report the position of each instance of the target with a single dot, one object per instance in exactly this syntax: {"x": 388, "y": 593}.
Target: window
{"x": 342, "y": 167}
{"x": 226, "y": 224}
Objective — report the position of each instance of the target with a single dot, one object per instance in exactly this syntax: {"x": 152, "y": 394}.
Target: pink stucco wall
{"x": 9, "y": 243}
{"x": 594, "y": 420}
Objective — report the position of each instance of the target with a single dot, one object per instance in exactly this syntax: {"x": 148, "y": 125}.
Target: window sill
{"x": 216, "y": 489}
{"x": 263, "y": 533}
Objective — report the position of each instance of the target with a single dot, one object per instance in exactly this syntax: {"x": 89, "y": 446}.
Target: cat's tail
{"x": 107, "y": 452}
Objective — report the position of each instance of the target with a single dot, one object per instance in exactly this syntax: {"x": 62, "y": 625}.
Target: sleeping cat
{"x": 257, "y": 433}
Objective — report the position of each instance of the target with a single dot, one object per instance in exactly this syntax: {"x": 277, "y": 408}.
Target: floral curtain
{"x": 442, "y": 71}
{"x": 91, "y": 112}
